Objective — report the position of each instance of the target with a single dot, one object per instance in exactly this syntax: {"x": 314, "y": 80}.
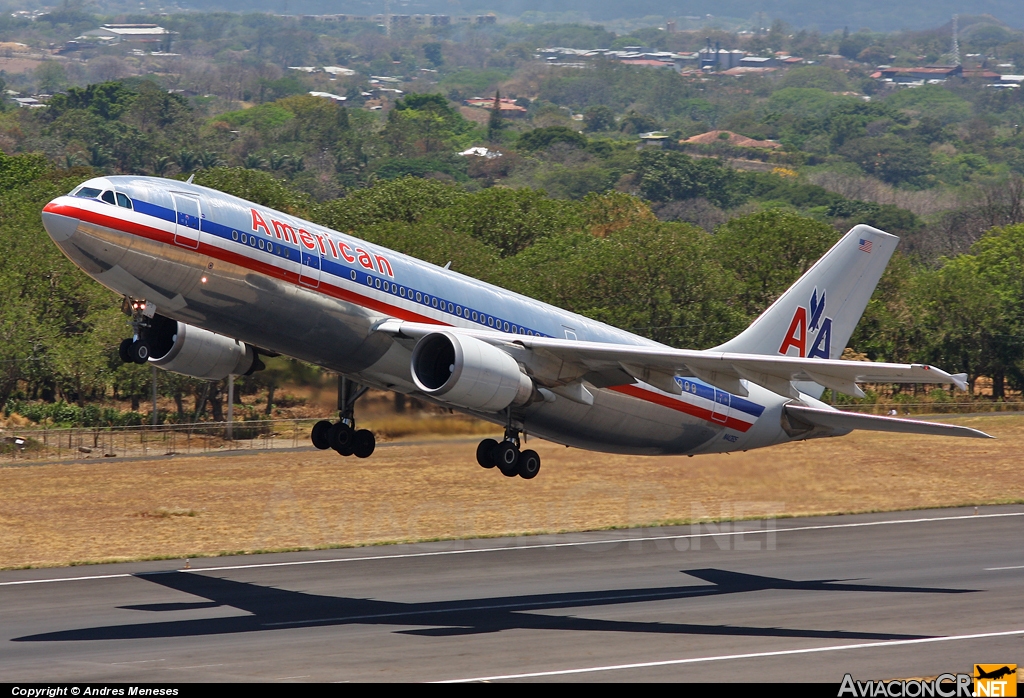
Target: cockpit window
{"x": 123, "y": 201}
{"x": 88, "y": 193}
{"x": 108, "y": 196}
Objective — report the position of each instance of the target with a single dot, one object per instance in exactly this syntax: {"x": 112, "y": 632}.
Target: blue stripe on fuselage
{"x": 337, "y": 269}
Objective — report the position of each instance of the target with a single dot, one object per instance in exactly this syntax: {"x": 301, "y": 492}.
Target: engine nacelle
{"x": 467, "y": 372}
{"x": 193, "y": 351}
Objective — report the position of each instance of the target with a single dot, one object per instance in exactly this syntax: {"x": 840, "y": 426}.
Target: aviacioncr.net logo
{"x": 806, "y": 321}
{"x": 942, "y": 686}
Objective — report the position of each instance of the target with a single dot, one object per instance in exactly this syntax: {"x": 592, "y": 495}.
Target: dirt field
{"x": 178, "y": 507}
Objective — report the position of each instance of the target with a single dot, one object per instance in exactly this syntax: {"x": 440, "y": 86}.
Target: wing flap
{"x": 847, "y": 421}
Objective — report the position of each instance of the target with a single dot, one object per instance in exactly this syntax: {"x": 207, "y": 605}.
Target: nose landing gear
{"x": 342, "y": 436}
{"x": 136, "y": 349}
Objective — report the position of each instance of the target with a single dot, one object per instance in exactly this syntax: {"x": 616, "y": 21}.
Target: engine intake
{"x": 193, "y": 351}
{"x": 467, "y": 372}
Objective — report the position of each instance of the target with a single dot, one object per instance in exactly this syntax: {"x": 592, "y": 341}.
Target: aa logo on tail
{"x": 810, "y": 328}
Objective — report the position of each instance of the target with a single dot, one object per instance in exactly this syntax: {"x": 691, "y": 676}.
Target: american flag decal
{"x": 865, "y": 246}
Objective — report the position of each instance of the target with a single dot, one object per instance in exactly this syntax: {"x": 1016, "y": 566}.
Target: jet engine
{"x": 467, "y": 372}
{"x": 193, "y": 351}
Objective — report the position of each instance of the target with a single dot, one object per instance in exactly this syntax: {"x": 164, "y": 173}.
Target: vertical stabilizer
{"x": 817, "y": 315}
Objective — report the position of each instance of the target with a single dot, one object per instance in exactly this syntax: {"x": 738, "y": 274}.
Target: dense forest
{"x": 683, "y": 242}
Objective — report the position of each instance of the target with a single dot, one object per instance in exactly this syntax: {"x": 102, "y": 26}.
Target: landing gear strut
{"x": 342, "y": 436}
{"x": 506, "y": 455}
{"x": 135, "y": 349}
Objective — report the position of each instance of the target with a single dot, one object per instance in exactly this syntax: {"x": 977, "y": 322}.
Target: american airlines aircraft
{"x": 212, "y": 282}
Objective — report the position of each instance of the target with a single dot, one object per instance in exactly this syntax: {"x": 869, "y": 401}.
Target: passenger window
{"x": 108, "y": 196}
{"x": 123, "y": 201}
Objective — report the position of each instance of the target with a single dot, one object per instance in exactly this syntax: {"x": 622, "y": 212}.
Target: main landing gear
{"x": 507, "y": 457}
{"x": 342, "y": 436}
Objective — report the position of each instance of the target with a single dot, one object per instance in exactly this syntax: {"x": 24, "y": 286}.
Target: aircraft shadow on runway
{"x": 274, "y": 609}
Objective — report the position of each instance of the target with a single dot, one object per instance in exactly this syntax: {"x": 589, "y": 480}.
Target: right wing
{"x": 558, "y": 363}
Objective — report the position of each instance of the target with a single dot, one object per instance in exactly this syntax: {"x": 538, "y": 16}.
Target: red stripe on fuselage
{"x": 680, "y": 406}
{"x": 223, "y": 255}
{"x": 167, "y": 238}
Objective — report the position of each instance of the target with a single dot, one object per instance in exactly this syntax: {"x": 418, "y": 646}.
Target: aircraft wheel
{"x": 529, "y": 464}
{"x": 319, "y": 435}
{"x": 139, "y": 351}
{"x": 124, "y": 351}
{"x": 507, "y": 456}
{"x": 363, "y": 443}
{"x": 340, "y": 437}
{"x": 485, "y": 453}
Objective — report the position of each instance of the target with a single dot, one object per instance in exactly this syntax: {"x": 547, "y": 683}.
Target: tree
{"x": 432, "y": 52}
{"x": 768, "y": 251}
{"x": 599, "y": 118}
{"x": 890, "y": 158}
{"x": 494, "y": 122}
{"x": 667, "y": 175}
{"x": 543, "y": 138}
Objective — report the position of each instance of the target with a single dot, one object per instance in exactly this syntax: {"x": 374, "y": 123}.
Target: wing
{"x": 563, "y": 364}
{"x": 847, "y": 421}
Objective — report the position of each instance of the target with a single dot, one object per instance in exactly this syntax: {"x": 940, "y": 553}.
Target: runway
{"x": 880, "y": 596}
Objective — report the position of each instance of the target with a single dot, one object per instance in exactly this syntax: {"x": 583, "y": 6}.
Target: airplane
{"x": 212, "y": 282}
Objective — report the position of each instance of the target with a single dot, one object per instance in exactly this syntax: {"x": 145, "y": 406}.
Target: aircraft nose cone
{"x": 60, "y": 227}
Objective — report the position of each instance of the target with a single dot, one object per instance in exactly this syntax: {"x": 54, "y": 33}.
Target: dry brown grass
{"x": 60, "y": 514}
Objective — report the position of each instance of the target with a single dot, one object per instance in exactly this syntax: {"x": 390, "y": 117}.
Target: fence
{"x": 76, "y": 443}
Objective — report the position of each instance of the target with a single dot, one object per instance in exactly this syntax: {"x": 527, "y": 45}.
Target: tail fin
{"x": 817, "y": 315}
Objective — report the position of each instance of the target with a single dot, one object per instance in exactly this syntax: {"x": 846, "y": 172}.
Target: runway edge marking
{"x": 726, "y": 657}
{"x": 539, "y": 546}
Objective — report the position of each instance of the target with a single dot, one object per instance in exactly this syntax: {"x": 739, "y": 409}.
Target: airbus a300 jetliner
{"x": 212, "y": 281}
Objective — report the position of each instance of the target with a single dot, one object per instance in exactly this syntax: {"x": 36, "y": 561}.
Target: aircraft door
{"x": 721, "y": 410}
{"x": 186, "y": 223}
{"x": 309, "y": 268}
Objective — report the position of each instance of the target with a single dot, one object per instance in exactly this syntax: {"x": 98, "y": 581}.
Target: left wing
{"x": 561, "y": 363}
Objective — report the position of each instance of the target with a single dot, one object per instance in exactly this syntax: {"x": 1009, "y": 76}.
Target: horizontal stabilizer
{"x": 846, "y": 421}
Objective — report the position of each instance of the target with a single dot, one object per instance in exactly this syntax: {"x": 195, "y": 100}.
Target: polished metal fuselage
{"x": 318, "y": 295}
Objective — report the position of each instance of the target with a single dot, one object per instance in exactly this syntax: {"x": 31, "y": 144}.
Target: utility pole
{"x": 231, "y": 407}
{"x": 153, "y": 417}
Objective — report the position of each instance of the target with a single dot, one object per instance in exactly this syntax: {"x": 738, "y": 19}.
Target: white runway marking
{"x": 995, "y": 569}
{"x": 538, "y": 546}
{"x": 726, "y": 657}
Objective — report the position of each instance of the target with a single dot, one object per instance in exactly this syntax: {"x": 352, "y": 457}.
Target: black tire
{"x": 340, "y": 437}
{"x": 124, "y": 351}
{"x": 319, "y": 435}
{"x": 529, "y": 464}
{"x": 139, "y": 351}
{"x": 485, "y": 455}
{"x": 363, "y": 443}
{"x": 507, "y": 456}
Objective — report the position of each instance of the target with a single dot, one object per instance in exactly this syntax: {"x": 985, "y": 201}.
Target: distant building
{"x": 129, "y": 33}
{"x": 508, "y": 107}
{"x": 917, "y": 75}
{"x": 329, "y": 95}
{"x": 654, "y": 139}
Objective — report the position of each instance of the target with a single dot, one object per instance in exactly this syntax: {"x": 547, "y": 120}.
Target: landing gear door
{"x": 721, "y": 411}
{"x": 186, "y": 221}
